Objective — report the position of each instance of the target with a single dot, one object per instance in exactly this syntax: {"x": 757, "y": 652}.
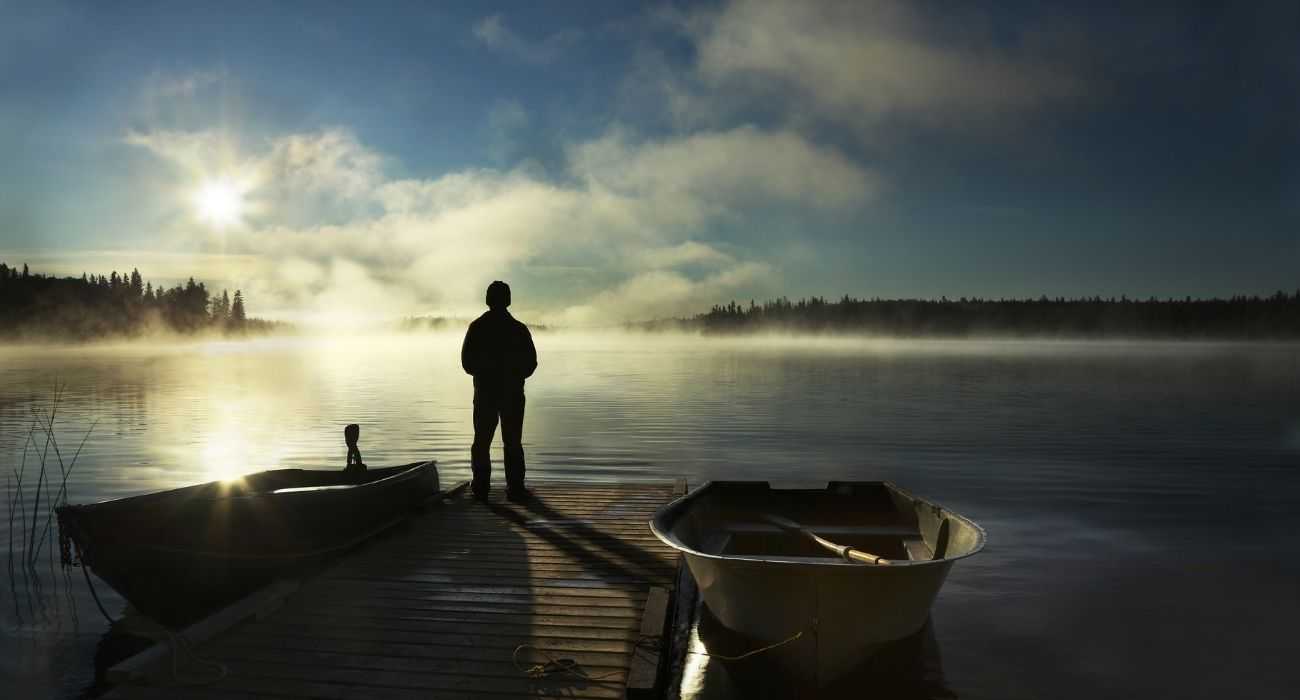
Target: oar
{"x": 843, "y": 551}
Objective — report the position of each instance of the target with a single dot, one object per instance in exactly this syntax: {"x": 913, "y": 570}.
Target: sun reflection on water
{"x": 241, "y": 441}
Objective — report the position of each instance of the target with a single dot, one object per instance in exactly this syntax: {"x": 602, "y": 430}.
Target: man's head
{"x": 351, "y": 433}
{"x": 498, "y": 295}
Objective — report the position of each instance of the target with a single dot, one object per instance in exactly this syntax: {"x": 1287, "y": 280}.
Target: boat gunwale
{"x": 403, "y": 471}
{"x": 752, "y": 561}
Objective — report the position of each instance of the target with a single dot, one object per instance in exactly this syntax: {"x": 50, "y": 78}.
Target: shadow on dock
{"x": 543, "y": 599}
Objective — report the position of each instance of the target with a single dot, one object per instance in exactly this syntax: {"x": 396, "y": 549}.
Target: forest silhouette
{"x": 1240, "y": 317}
{"x": 34, "y": 306}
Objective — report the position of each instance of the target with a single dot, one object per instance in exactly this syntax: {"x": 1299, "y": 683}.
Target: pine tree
{"x": 137, "y": 284}
{"x": 237, "y": 309}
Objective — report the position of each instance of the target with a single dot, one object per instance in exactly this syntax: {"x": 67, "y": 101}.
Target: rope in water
{"x": 94, "y": 594}
{"x": 180, "y": 646}
{"x": 753, "y": 652}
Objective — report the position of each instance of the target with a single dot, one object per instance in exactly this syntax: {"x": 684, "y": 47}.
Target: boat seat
{"x": 830, "y": 531}
{"x": 917, "y": 550}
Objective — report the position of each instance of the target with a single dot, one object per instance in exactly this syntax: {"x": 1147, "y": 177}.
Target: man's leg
{"x": 485, "y": 426}
{"x": 512, "y": 435}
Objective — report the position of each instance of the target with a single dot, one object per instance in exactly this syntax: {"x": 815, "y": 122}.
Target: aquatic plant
{"x": 42, "y": 437}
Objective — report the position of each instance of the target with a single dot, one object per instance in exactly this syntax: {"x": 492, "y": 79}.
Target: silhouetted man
{"x": 499, "y": 352}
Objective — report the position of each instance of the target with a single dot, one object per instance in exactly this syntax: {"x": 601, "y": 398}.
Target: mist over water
{"x": 1137, "y": 496}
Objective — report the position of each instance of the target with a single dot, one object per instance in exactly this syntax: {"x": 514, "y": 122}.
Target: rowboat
{"x": 819, "y": 578}
{"x": 175, "y": 554}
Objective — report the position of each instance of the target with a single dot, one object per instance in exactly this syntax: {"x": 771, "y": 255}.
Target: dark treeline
{"x": 435, "y": 324}
{"x": 1276, "y": 316}
{"x": 415, "y": 324}
{"x": 34, "y": 306}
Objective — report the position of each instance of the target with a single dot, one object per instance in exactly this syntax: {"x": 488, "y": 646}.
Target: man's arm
{"x": 530, "y": 353}
{"x": 469, "y": 351}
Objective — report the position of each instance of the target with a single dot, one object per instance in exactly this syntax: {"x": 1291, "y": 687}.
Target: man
{"x": 499, "y": 353}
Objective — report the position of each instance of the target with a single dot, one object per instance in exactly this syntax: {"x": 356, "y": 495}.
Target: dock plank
{"x": 461, "y": 602}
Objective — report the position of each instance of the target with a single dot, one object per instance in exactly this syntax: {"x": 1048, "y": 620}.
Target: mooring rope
{"x": 753, "y": 652}
{"x": 143, "y": 626}
{"x": 554, "y": 666}
{"x": 564, "y": 665}
{"x": 94, "y": 594}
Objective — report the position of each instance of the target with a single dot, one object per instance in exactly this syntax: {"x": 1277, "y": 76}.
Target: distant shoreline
{"x": 40, "y": 308}
{"x": 1275, "y": 317}
{"x": 36, "y": 309}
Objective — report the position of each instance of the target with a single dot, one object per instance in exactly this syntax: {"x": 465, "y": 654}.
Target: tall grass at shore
{"x": 32, "y": 522}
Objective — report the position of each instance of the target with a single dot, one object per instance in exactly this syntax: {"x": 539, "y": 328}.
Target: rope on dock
{"x": 564, "y": 665}
{"x": 554, "y": 666}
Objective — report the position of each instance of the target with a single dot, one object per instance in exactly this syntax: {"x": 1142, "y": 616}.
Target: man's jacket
{"x": 498, "y": 351}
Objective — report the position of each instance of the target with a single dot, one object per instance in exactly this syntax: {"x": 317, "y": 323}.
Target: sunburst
{"x": 220, "y": 203}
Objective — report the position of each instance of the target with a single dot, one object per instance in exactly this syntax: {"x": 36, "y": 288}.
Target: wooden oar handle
{"x": 852, "y": 554}
{"x": 845, "y": 552}
{"x": 848, "y": 553}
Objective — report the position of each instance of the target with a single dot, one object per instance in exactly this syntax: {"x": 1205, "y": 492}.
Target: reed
{"x": 27, "y": 534}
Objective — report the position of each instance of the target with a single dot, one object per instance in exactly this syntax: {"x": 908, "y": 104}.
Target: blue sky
{"x": 621, "y": 160}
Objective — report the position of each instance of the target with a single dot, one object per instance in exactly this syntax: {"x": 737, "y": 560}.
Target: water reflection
{"x": 722, "y": 665}
{"x": 1125, "y": 484}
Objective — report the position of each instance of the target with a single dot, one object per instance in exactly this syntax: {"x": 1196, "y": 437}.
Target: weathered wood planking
{"x": 438, "y": 607}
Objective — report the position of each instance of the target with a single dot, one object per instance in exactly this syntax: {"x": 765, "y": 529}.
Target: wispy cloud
{"x": 857, "y": 64}
{"x": 507, "y": 122}
{"x": 415, "y": 244}
{"x": 493, "y": 33}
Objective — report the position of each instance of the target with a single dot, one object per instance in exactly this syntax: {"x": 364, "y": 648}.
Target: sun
{"x": 220, "y": 203}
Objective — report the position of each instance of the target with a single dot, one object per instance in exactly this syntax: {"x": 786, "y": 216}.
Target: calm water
{"x": 1139, "y": 498}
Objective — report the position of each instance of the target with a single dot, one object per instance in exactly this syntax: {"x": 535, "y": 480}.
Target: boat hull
{"x": 177, "y": 554}
{"x": 826, "y": 614}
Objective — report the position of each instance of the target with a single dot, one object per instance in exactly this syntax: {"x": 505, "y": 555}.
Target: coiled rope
{"x": 567, "y": 666}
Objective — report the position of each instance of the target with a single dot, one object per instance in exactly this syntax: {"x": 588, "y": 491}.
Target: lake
{"x": 1139, "y": 497}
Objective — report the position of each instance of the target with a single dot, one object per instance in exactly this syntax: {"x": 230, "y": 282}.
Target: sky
{"x": 624, "y": 161}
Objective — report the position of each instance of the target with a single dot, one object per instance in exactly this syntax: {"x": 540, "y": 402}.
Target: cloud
{"x": 196, "y": 152}
{"x": 687, "y": 253}
{"x": 184, "y": 85}
{"x": 339, "y": 236}
{"x": 299, "y": 179}
{"x": 860, "y": 64}
{"x": 506, "y": 120}
{"x": 742, "y": 165}
{"x": 493, "y": 33}
{"x": 665, "y": 293}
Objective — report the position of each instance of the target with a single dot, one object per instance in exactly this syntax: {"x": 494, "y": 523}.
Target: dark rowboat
{"x": 764, "y": 576}
{"x": 175, "y": 554}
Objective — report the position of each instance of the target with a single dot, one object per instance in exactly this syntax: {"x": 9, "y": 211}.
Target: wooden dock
{"x": 566, "y": 595}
